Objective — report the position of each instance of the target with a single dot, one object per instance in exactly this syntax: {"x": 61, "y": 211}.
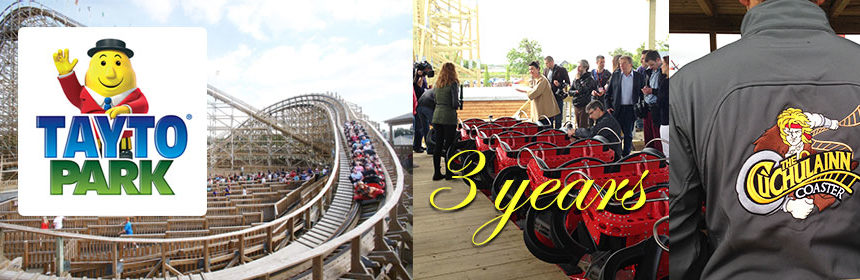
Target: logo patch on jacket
{"x": 793, "y": 172}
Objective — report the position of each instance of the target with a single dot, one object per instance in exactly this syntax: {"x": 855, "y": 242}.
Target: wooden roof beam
{"x": 707, "y": 7}
{"x": 837, "y": 7}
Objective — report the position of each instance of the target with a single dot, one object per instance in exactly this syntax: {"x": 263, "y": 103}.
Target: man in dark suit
{"x": 625, "y": 90}
{"x": 557, "y": 77}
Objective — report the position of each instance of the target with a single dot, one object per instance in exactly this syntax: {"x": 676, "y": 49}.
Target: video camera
{"x": 425, "y": 68}
{"x": 560, "y": 92}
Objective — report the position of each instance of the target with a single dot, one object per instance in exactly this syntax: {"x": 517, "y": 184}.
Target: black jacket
{"x": 582, "y": 88}
{"x": 663, "y": 101}
{"x": 607, "y": 120}
{"x": 428, "y": 99}
{"x": 558, "y": 74}
{"x": 727, "y": 111}
{"x": 613, "y": 93}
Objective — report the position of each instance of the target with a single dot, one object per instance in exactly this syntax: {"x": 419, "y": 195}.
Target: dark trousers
{"x": 626, "y": 119}
{"x": 445, "y": 137}
{"x": 560, "y": 116}
{"x": 581, "y": 115}
{"x": 549, "y": 120}
{"x": 421, "y": 122}
{"x": 651, "y": 131}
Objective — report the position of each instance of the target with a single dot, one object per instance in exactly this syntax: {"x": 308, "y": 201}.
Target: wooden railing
{"x": 148, "y": 257}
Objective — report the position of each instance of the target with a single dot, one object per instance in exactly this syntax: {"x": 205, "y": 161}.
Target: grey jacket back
{"x": 763, "y": 133}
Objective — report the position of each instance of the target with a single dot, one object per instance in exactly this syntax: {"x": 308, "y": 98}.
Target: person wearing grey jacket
{"x": 763, "y": 136}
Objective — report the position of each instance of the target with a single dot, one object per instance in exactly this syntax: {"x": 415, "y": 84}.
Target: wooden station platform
{"x": 443, "y": 240}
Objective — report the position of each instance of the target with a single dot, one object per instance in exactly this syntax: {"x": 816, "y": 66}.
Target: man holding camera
{"x": 557, "y": 77}
{"x": 582, "y": 88}
{"x": 421, "y": 71}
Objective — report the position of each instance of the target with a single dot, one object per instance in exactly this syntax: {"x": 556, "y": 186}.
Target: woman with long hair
{"x": 445, "y": 115}
{"x": 615, "y": 63}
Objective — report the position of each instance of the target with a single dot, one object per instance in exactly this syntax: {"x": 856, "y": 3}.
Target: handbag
{"x": 641, "y": 109}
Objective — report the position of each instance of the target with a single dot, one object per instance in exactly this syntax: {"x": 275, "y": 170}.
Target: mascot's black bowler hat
{"x": 110, "y": 44}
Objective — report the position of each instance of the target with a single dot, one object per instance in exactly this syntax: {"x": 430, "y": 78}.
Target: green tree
{"x": 486, "y": 74}
{"x": 571, "y": 68}
{"x": 621, "y": 51}
{"x": 520, "y": 57}
{"x": 402, "y": 131}
{"x": 507, "y": 73}
{"x": 661, "y": 45}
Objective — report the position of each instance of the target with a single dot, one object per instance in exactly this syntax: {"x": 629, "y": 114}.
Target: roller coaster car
{"x": 374, "y": 180}
{"x": 564, "y": 236}
{"x": 552, "y": 135}
{"x": 548, "y": 156}
{"x": 373, "y": 191}
{"x": 506, "y": 121}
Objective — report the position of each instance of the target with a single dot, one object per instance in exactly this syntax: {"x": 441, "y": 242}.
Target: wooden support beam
{"x": 25, "y": 259}
{"x": 707, "y": 7}
{"x": 291, "y": 227}
{"x": 242, "y": 248}
{"x": 207, "y": 263}
{"x": 705, "y": 24}
{"x": 318, "y": 268}
{"x": 712, "y": 37}
{"x": 838, "y": 7}
{"x": 355, "y": 255}
{"x": 379, "y": 236}
{"x": 269, "y": 248}
{"x": 731, "y": 24}
{"x": 164, "y": 260}
{"x": 115, "y": 260}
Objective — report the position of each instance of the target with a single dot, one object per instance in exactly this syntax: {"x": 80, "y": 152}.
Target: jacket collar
{"x": 784, "y": 14}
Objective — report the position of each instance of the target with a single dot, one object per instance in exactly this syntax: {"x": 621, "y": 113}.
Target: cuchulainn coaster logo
{"x": 792, "y": 171}
{"x": 107, "y": 130}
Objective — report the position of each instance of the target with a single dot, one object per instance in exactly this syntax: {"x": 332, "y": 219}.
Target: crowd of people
{"x": 626, "y": 94}
{"x": 279, "y": 176}
{"x": 365, "y": 167}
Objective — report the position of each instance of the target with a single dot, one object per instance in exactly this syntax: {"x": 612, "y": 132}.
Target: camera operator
{"x": 420, "y": 72}
{"x": 557, "y": 77}
{"x": 582, "y": 88}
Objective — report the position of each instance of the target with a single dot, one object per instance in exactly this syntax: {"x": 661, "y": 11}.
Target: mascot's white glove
{"x": 799, "y": 208}
{"x": 817, "y": 120}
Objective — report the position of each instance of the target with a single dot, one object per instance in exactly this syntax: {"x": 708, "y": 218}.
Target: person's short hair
{"x": 535, "y": 64}
{"x": 626, "y": 57}
{"x": 584, "y": 63}
{"x": 652, "y": 56}
{"x": 595, "y": 104}
{"x": 645, "y": 51}
{"x": 548, "y": 58}
{"x": 599, "y": 57}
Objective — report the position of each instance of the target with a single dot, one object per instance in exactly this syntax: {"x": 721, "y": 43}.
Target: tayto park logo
{"x": 129, "y": 138}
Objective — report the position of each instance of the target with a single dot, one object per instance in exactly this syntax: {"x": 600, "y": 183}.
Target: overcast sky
{"x": 265, "y": 51}
{"x": 567, "y": 30}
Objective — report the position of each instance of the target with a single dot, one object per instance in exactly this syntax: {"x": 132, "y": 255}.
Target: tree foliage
{"x": 621, "y": 51}
{"x": 486, "y": 71}
{"x": 520, "y": 57}
{"x": 661, "y": 45}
